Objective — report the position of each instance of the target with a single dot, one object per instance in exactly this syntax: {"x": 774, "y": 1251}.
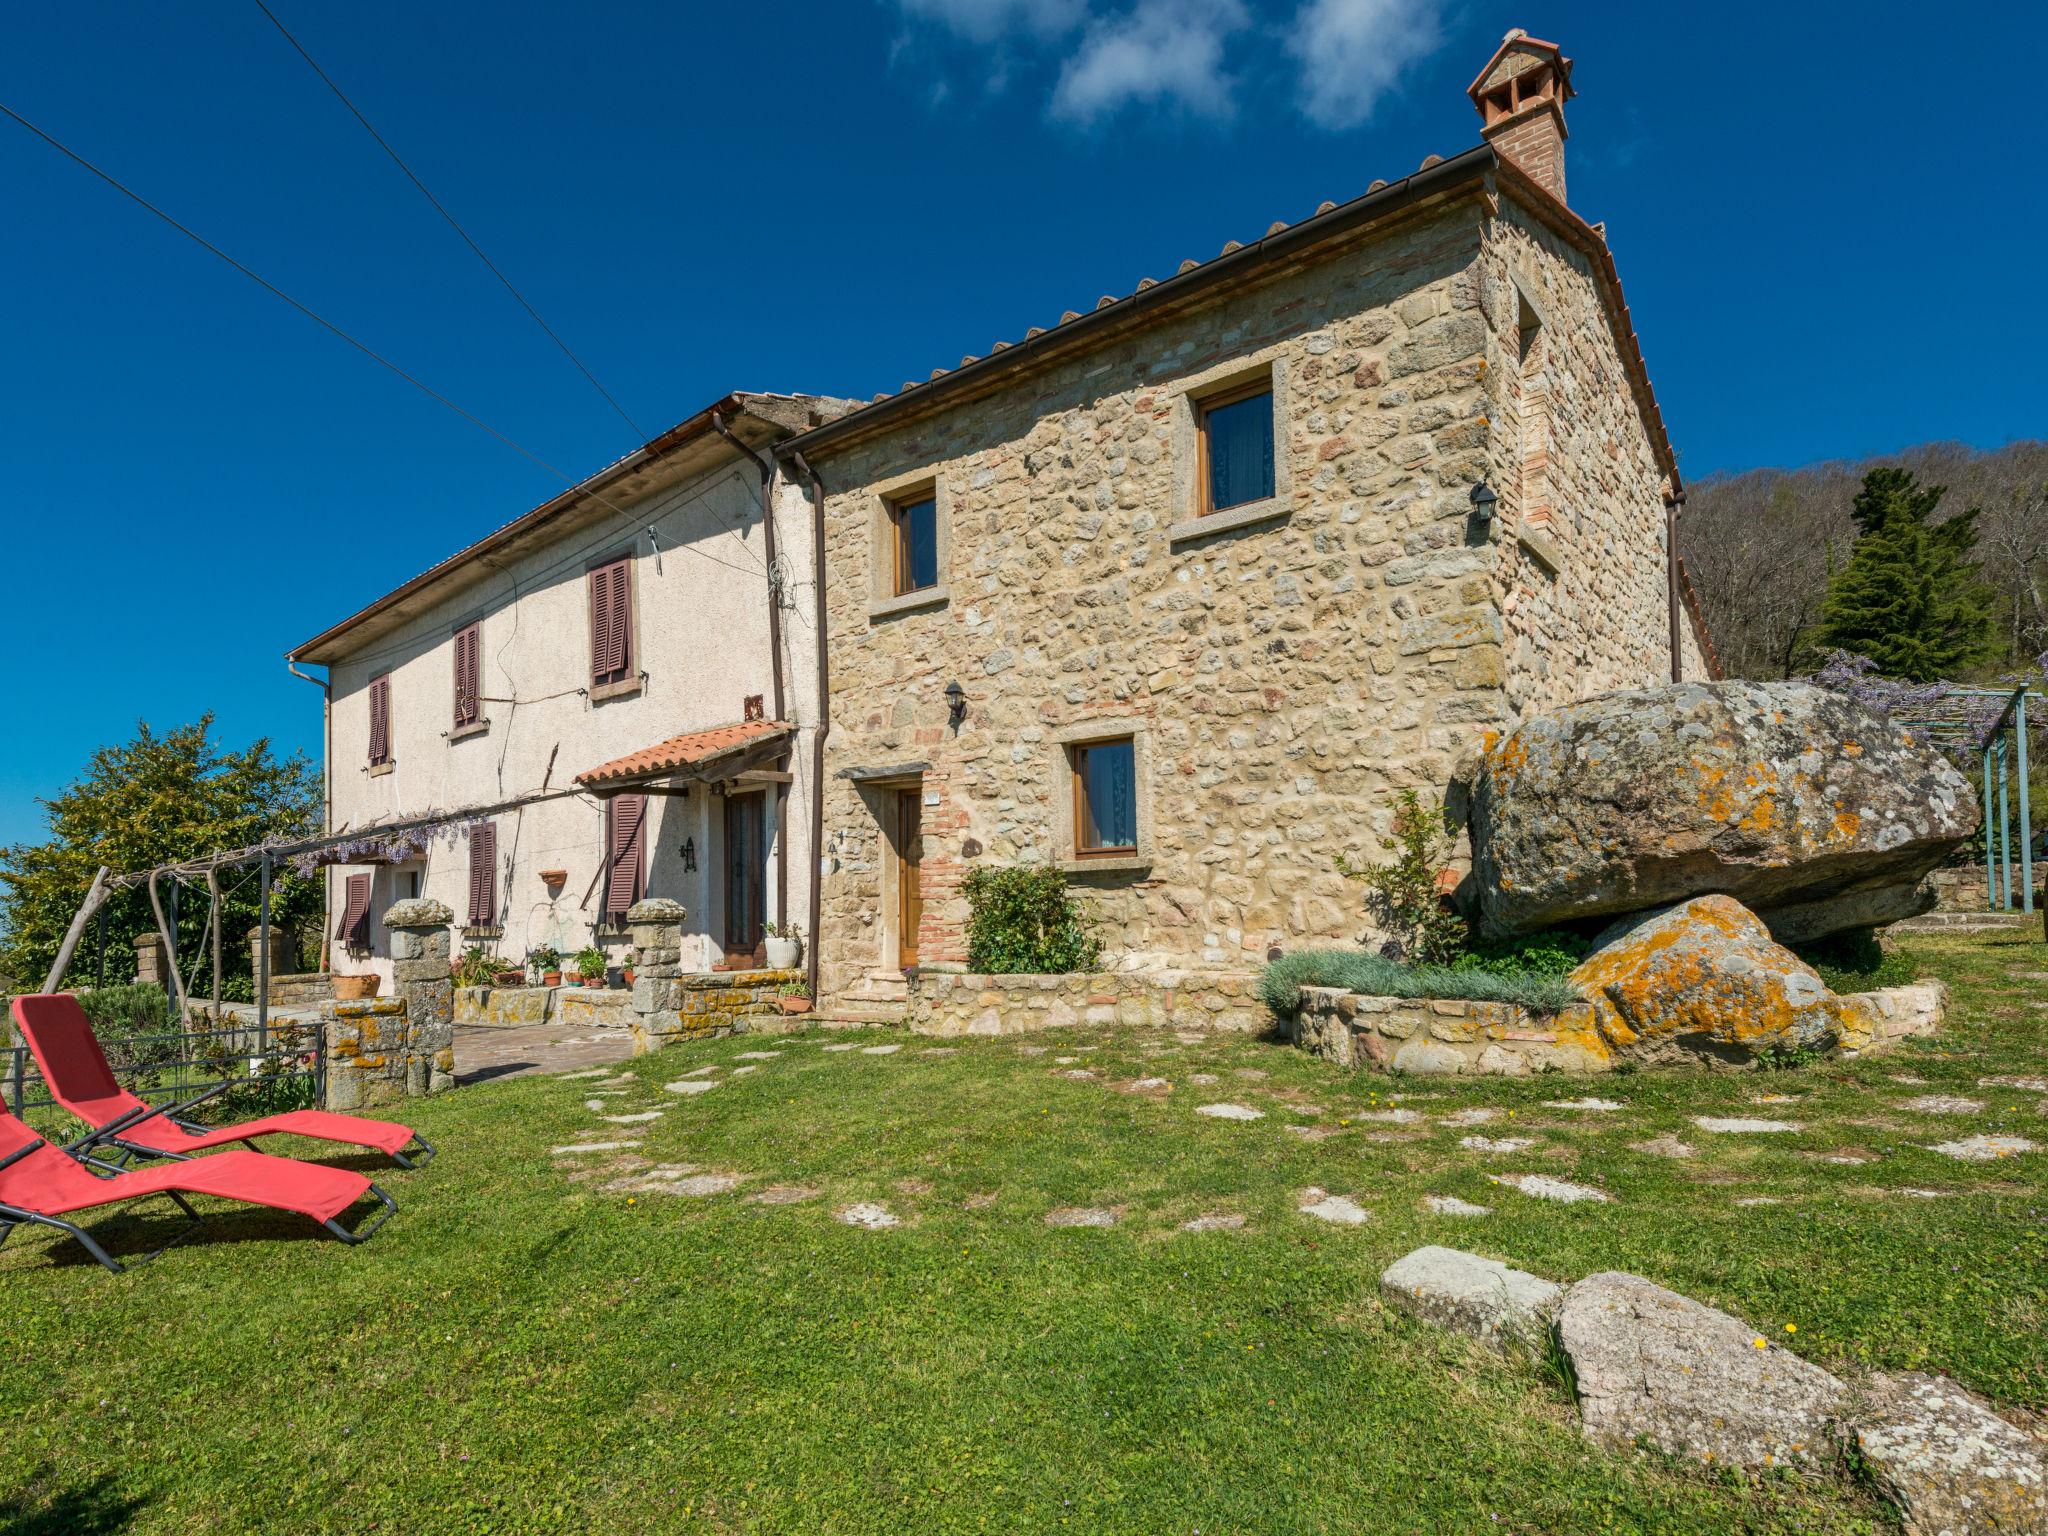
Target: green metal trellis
{"x": 2001, "y": 750}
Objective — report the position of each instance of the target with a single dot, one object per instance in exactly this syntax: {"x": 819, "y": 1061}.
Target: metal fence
{"x": 283, "y": 1067}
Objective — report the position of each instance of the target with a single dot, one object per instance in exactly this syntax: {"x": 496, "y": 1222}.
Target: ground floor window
{"x": 1105, "y": 796}
{"x": 625, "y": 842}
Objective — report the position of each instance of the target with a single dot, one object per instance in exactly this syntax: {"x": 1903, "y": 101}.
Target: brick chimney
{"x": 1520, "y": 96}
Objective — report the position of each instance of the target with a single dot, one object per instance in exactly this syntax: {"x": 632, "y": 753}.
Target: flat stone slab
{"x": 880, "y": 1050}
{"x": 1950, "y": 1464}
{"x": 2024, "y": 1084}
{"x": 758, "y": 1056}
{"x": 1081, "y": 1216}
{"x": 1666, "y": 1145}
{"x": 579, "y": 1147}
{"x": 642, "y": 1118}
{"x": 1229, "y": 1112}
{"x": 1660, "y": 1368}
{"x": 689, "y": 1086}
{"x": 1227, "y": 1221}
{"x": 1984, "y": 1149}
{"x": 1496, "y": 1143}
{"x": 1944, "y": 1104}
{"x": 697, "y": 1185}
{"x": 1740, "y": 1125}
{"x": 1503, "y": 1308}
{"x": 1543, "y": 1187}
{"x": 783, "y": 1194}
{"x": 1592, "y": 1106}
{"x": 867, "y": 1214}
{"x": 1470, "y": 1117}
{"x": 1337, "y": 1209}
{"x": 842, "y": 1047}
{"x": 1390, "y": 1116}
{"x": 1451, "y": 1205}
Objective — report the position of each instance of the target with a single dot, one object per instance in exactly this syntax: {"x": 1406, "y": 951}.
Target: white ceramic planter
{"x": 782, "y": 954}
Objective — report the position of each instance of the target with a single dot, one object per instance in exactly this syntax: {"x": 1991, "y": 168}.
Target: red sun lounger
{"x": 79, "y": 1078}
{"x": 41, "y": 1184}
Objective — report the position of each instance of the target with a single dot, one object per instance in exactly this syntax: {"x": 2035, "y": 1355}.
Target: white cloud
{"x": 984, "y": 21}
{"x": 1352, "y": 51}
{"x": 1165, "y": 52}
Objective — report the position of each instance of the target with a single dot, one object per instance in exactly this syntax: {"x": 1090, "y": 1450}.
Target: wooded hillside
{"x": 1761, "y": 546}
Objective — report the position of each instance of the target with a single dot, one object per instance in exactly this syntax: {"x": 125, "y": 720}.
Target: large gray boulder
{"x": 1948, "y": 1462}
{"x": 1499, "y": 1306}
{"x": 1786, "y": 796}
{"x": 1659, "y": 1368}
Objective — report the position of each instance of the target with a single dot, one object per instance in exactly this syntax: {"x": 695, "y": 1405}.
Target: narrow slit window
{"x": 915, "y": 524}
{"x": 1106, "y": 797}
{"x": 1237, "y": 447}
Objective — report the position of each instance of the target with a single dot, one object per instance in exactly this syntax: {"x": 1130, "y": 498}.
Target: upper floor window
{"x": 1105, "y": 797}
{"x": 612, "y": 649}
{"x": 915, "y": 522}
{"x": 469, "y": 703}
{"x": 1235, "y": 430}
{"x": 380, "y": 721}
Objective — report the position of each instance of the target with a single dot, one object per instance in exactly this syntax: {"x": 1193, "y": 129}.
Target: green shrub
{"x": 131, "y": 1009}
{"x": 1857, "y": 962}
{"x": 1024, "y": 920}
{"x": 1404, "y": 895}
{"x": 1375, "y": 975}
{"x": 1555, "y": 952}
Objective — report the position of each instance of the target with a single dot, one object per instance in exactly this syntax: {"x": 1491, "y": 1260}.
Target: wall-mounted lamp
{"x": 1483, "y": 499}
{"x": 689, "y": 851}
{"x": 956, "y": 703}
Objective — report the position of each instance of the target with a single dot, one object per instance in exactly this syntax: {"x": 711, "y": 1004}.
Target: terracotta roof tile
{"x": 682, "y": 751}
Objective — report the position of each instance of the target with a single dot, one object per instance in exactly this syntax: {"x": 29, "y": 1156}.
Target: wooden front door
{"x": 746, "y": 869}
{"x": 909, "y": 855}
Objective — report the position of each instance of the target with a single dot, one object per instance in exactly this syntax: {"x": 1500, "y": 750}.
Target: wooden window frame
{"x": 1205, "y": 406}
{"x": 899, "y": 541}
{"x": 1077, "y": 753}
{"x": 628, "y": 681}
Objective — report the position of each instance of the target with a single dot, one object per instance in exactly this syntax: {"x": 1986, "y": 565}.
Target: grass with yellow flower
{"x": 544, "y": 1344}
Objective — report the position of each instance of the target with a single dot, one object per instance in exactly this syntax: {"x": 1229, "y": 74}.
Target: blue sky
{"x": 1822, "y": 214}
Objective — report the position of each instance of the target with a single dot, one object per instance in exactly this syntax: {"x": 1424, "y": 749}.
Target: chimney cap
{"x": 1519, "y": 41}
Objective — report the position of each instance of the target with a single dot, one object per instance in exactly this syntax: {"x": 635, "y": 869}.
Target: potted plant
{"x": 785, "y": 945}
{"x": 590, "y": 965}
{"x": 545, "y": 962}
{"x": 476, "y": 967}
{"x": 349, "y": 989}
{"x": 794, "y": 998}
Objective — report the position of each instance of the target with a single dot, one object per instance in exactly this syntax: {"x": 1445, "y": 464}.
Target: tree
{"x": 154, "y": 800}
{"x": 1907, "y": 597}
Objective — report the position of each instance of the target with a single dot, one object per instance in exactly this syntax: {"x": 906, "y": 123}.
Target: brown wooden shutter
{"x": 468, "y": 676}
{"x": 622, "y": 622}
{"x": 611, "y": 623}
{"x": 354, "y": 928}
{"x": 380, "y": 720}
{"x": 483, "y": 875}
{"x": 625, "y": 837}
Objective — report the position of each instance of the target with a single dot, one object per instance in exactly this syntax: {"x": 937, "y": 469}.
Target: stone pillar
{"x": 421, "y": 978}
{"x": 152, "y": 966}
{"x": 278, "y": 954}
{"x": 657, "y": 929}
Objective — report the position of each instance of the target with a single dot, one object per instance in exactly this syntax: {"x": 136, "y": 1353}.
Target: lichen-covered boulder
{"x": 1657, "y": 1368}
{"x": 1949, "y": 1463}
{"x": 1704, "y": 981}
{"x": 1782, "y": 795}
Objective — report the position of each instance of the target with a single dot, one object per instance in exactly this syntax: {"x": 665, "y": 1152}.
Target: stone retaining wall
{"x": 668, "y": 1003}
{"x": 297, "y": 990}
{"x": 965, "y": 1003}
{"x": 1438, "y": 1037}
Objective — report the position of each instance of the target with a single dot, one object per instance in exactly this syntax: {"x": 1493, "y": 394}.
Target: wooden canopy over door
{"x": 746, "y": 882}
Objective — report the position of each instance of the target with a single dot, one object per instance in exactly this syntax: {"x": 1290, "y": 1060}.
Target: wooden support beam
{"x": 94, "y": 896}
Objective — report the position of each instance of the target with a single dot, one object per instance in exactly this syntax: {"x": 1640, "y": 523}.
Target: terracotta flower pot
{"x": 508, "y": 978}
{"x": 794, "y": 1004}
{"x": 551, "y": 978}
{"x": 352, "y": 989}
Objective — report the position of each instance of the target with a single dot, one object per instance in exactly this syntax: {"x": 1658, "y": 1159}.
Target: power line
{"x": 328, "y": 325}
{"x": 384, "y": 144}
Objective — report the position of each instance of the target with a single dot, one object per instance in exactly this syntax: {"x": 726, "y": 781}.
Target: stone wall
{"x": 963, "y": 1003}
{"x": 1286, "y": 676}
{"x": 668, "y": 1003}
{"x": 305, "y": 987}
{"x": 1582, "y": 578}
{"x": 1436, "y": 1038}
{"x": 377, "y": 1054}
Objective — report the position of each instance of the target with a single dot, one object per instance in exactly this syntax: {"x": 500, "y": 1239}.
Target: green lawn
{"x": 543, "y": 1343}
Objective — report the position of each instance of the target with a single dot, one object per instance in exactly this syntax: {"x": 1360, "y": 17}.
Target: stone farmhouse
{"x": 608, "y": 693}
{"x": 1174, "y": 594}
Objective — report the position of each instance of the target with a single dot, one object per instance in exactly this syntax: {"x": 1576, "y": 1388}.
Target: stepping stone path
{"x": 1984, "y": 1149}
{"x": 869, "y": 1215}
{"x": 690, "y": 1085}
{"x": 1666, "y": 1145}
{"x": 1482, "y": 1298}
{"x": 880, "y": 1050}
{"x": 743, "y": 1071}
{"x": 1948, "y": 1462}
{"x": 1656, "y": 1367}
{"x": 1229, "y": 1112}
{"x": 1081, "y": 1216}
{"x": 1595, "y": 1106}
{"x": 571, "y": 1077}
{"x": 1451, "y": 1205}
{"x": 1471, "y": 1117}
{"x": 1721, "y": 1125}
{"x": 591, "y": 1146}
{"x": 1544, "y": 1187}
{"x": 758, "y": 1056}
{"x": 842, "y": 1047}
{"x": 1944, "y": 1104}
{"x": 783, "y": 1194}
{"x": 700, "y": 1071}
{"x": 683, "y": 1182}
{"x": 1496, "y": 1143}
{"x": 1391, "y": 1116}
{"x": 1224, "y": 1222}
{"x": 640, "y": 1119}
{"x": 1078, "y": 1075}
{"x": 1336, "y": 1209}
{"x": 1148, "y": 1085}
{"x": 2024, "y": 1084}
